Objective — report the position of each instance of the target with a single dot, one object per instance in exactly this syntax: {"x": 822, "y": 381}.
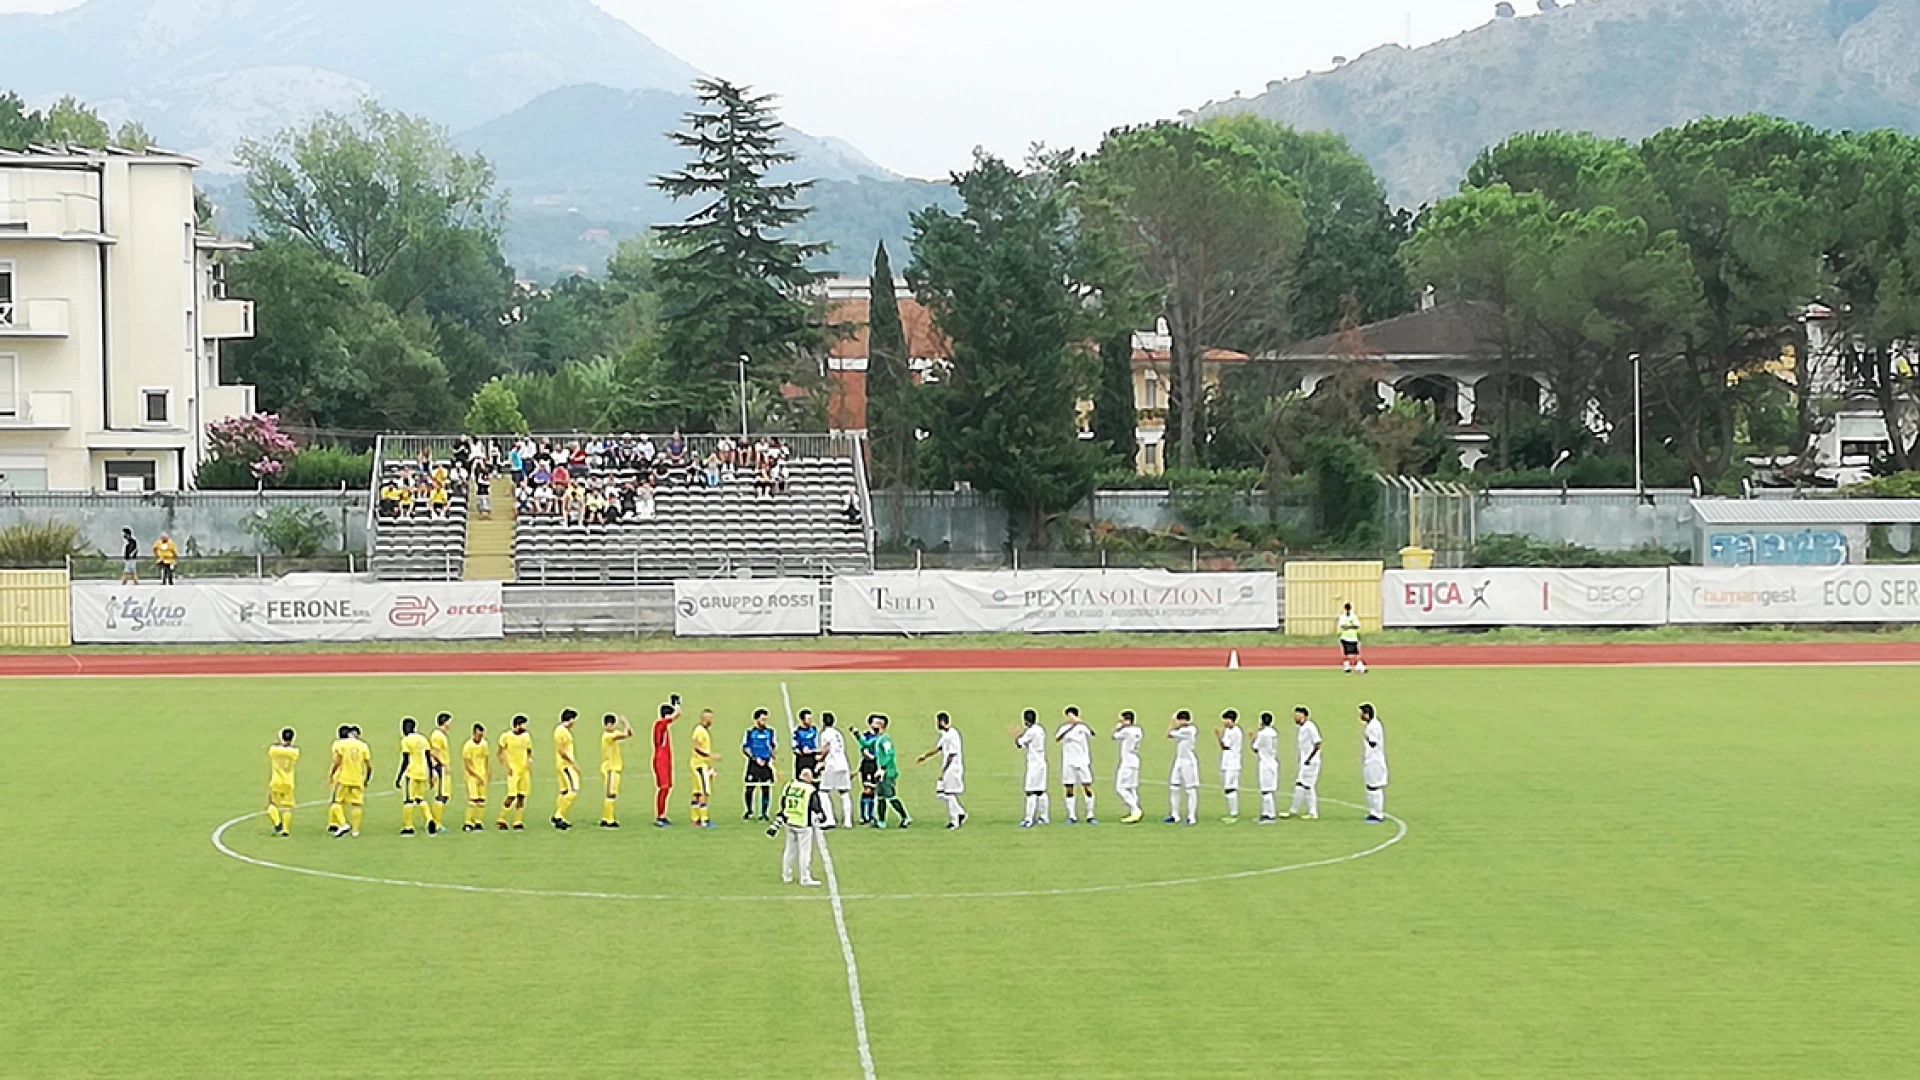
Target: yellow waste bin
{"x": 1416, "y": 558}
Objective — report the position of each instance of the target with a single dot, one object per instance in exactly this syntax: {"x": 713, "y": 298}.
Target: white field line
{"x": 840, "y": 926}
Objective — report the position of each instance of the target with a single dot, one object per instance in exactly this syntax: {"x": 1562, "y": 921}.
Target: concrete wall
{"x": 200, "y": 522}
{"x": 972, "y": 522}
{"x": 1606, "y": 520}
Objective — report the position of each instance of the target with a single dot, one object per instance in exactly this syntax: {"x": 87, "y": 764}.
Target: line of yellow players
{"x": 425, "y": 777}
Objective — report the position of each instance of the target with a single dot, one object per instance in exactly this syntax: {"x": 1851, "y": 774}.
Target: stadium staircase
{"x": 419, "y": 548}
{"x": 490, "y": 539}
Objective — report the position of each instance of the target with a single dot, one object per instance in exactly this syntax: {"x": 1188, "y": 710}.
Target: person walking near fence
{"x": 167, "y": 555}
{"x": 129, "y": 558}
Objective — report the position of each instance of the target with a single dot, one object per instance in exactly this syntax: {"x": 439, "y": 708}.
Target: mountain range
{"x": 1621, "y": 68}
{"x": 571, "y": 104}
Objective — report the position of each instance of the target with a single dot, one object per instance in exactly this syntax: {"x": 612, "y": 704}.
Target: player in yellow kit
{"x": 612, "y": 764}
{"x": 516, "y": 754}
{"x": 703, "y": 763}
{"x": 567, "y": 768}
{"x": 439, "y": 761}
{"x": 351, "y": 772}
{"x": 414, "y": 778}
{"x": 281, "y": 758}
{"x": 477, "y": 766}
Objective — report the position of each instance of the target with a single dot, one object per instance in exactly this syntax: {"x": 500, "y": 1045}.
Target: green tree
{"x": 1353, "y": 233}
{"x": 376, "y": 191}
{"x": 729, "y": 281}
{"x": 495, "y": 410}
{"x": 71, "y": 123}
{"x": 1001, "y": 279}
{"x": 1116, "y": 420}
{"x": 328, "y": 353}
{"x": 893, "y": 420}
{"x": 20, "y": 127}
{"x": 1215, "y": 233}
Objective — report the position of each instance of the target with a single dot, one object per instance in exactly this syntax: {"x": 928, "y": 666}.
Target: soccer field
{"x": 1669, "y": 872}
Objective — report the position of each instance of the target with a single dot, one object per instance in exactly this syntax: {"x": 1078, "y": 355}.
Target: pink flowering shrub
{"x": 255, "y": 441}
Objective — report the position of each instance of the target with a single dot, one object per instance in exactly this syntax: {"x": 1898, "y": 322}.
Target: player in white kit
{"x": 1373, "y": 764}
{"x": 1076, "y": 762}
{"x": 1266, "y": 758}
{"x": 953, "y": 770}
{"x": 1126, "y": 776}
{"x": 1184, "y": 779}
{"x": 1033, "y": 739}
{"x": 1232, "y": 740}
{"x": 836, "y": 776}
{"x": 1306, "y": 777}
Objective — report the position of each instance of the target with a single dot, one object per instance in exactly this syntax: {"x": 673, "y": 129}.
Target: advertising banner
{"x": 323, "y": 609}
{"x": 1524, "y": 597}
{"x": 1782, "y": 594}
{"x": 1052, "y": 601}
{"x": 770, "y": 607}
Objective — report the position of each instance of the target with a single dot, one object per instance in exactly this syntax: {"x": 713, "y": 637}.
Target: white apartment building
{"x": 112, "y": 311}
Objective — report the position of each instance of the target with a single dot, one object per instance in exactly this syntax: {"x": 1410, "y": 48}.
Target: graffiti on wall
{"x": 1808, "y": 547}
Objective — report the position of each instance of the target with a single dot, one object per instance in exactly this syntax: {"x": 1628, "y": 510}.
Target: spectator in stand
{"x": 389, "y": 498}
{"x": 643, "y": 509}
{"x": 725, "y": 451}
{"x": 573, "y": 505}
{"x": 517, "y": 464}
{"x": 561, "y": 477}
{"x": 483, "y": 488}
{"x": 577, "y": 457}
{"x": 405, "y": 509}
{"x": 850, "y": 509}
{"x": 629, "y": 499}
{"x": 780, "y": 476}
{"x": 167, "y": 556}
{"x": 437, "y": 500}
{"x": 711, "y": 470}
{"x": 762, "y": 453}
{"x": 542, "y": 476}
{"x": 422, "y": 492}
{"x": 646, "y": 452}
{"x": 763, "y": 478}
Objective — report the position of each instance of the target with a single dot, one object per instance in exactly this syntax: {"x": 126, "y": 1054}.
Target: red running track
{"x": 1036, "y": 659}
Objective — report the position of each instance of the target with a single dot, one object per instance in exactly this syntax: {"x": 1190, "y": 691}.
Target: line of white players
{"x": 1075, "y": 737}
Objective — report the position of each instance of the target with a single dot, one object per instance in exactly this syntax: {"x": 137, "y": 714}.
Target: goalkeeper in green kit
{"x": 887, "y": 770}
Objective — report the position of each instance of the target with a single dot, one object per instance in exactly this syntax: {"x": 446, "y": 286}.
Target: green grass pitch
{"x": 1683, "y": 872}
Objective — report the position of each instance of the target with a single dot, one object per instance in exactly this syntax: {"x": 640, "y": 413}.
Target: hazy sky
{"x": 918, "y": 83}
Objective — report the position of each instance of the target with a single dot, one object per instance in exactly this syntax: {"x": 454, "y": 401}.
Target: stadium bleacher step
{"x": 490, "y": 539}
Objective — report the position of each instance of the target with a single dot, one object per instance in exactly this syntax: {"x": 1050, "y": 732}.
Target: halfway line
{"x": 840, "y": 925}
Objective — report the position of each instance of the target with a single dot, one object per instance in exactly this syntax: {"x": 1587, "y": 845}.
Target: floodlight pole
{"x": 1639, "y": 476}
{"x": 743, "y": 395}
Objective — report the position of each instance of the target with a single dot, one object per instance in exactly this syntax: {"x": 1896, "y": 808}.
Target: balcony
{"x": 223, "y": 320}
{"x": 73, "y": 217}
{"x": 36, "y": 411}
{"x": 33, "y": 318}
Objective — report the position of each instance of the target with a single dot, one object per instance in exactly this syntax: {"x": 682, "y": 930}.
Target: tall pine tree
{"x": 892, "y": 419}
{"x": 730, "y": 283}
{"x": 1115, "y": 420}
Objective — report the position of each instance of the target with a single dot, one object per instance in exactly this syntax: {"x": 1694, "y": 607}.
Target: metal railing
{"x": 865, "y": 494}
{"x": 107, "y": 568}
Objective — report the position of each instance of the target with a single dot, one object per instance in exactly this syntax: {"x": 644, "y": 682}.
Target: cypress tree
{"x": 891, "y": 418}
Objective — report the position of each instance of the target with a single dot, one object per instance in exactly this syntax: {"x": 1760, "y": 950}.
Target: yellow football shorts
{"x": 611, "y": 778}
{"x": 519, "y": 784}
{"x": 350, "y": 794}
{"x": 702, "y": 780}
{"x": 443, "y": 787}
{"x": 569, "y": 782}
{"x": 280, "y": 795}
{"x": 476, "y": 791}
{"x": 416, "y": 790}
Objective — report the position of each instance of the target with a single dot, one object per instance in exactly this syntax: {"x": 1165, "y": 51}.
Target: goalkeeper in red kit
{"x": 663, "y": 760}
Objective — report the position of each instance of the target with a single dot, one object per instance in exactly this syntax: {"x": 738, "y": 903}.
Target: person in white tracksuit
{"x": 1126, "y": 775}
{"x": 1033, "y": 740}
{"x": 1373, "y": 764}
{"x": 1266, "y": 757}
{"x": 836, "y": 775}
{"x": 1231, "y": 739}
{"x": 1184, "y": 779}
{"x": 1306, "y": 777}
{"x": 953, "y": 770}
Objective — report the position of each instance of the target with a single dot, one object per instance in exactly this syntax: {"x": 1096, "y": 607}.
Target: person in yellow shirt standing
{"x": 612, "y": 764}
{"x": 415, "y": 777}
{"x": 474, "y": 760}
{"x": 167, "y": 555}
{"x": 703, "y": 766}
{"x": 516, "y": 754}
{"x": 281, "y": 758}
{"x": 439, "y": 760}
{"x": 352, "y": 769}
{"x": 567, "y": 768}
